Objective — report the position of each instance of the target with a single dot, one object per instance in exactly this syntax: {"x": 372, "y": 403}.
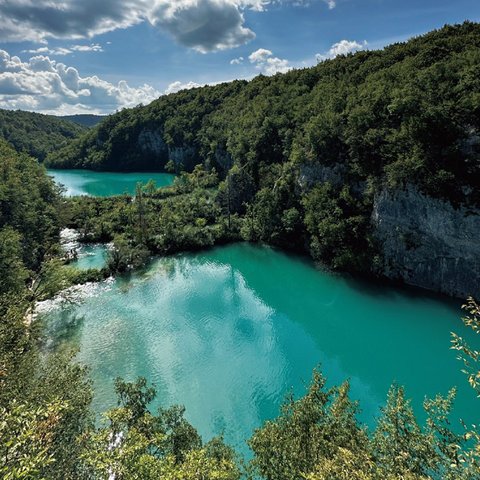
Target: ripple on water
{"x": 229, "y": 332}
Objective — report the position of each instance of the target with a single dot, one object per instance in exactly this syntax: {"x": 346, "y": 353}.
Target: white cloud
{"x": 62, "y": 51}
{"x": 177, "y": 86}
{"x": 267, "y": 63}
{"x": 237, "y": 61}
{"x": 331, "y": 4}
{"x": 204, "y": 25}
{"x": 344, "y": 47}
{"x": 94, "y": 47}
{"x": 44, "y": 85}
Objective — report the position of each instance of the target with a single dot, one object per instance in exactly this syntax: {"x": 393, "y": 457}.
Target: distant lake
{"x": 105, "y": 184}
{"x": 228, "y": 332}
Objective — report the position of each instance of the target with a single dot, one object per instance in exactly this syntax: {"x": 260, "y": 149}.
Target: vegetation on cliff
{"x": 409, "y": 112}
{"x": 300, "y": 157}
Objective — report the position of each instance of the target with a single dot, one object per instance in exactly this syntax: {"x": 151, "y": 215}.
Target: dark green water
{"x": 105, "y": 184}
{"x": 230, "y": 331}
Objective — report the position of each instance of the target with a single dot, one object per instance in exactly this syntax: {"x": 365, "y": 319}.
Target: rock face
{"x": 311, "y": 174}
{"x": 428, "y": 243}
{"x": 152, "y": 141}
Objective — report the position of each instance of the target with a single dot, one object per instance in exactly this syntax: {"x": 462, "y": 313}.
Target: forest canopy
{"x": 409, "y": 112}
{"x": 36, "y": 134}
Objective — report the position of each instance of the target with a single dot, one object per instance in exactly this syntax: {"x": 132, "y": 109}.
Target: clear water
{"x": 105, "y": 184}
{"x": 90, "y": 256}
{"x": 230, "y": 331}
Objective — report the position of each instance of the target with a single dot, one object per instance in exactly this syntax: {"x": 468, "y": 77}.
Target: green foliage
{"x": 36, "y": 134}
{"x": 28, "y": 206}
{"x": 408, "y": 113}
{"x": 318, "y": 437}
{"x": 469, "y": 356}
{"x": 26, "y": 435}
{"x": 138, "y": 445}
{"x": 339, "y": 227}
{"x": 307, "y": 430}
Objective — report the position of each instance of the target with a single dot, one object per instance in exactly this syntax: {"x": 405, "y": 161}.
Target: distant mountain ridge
{"x": 35, "y": 133}
{"x": 84, "y": 119}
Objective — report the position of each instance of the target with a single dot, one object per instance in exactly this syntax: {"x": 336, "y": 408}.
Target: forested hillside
{"x": 84, "y": 119}
{"x": 36, "y": 134}
{"x": 353, "y": 160}
{"x": 410, "y": 111}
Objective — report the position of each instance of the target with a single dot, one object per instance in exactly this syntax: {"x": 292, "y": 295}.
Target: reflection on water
{"x": 229, "y": 332}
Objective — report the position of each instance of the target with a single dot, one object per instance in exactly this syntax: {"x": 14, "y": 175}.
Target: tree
{"x": 307, "y": 431}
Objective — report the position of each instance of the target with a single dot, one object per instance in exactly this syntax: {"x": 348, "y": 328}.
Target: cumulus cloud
{"x": 237, "y": 61}
{"x": 37, "y": 20}
{"x": 344, "y": 47}
{"x": 204, "y": 25}
{"x": 44, "y": 85}
{"x": 267, "y": 63}
{"x": 177, "y": 86}
{"x": 62, "y": 51}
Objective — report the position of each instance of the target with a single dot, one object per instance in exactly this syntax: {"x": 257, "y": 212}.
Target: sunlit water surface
{"x": 230, "y": 331}
{"x": 105, "y": 184}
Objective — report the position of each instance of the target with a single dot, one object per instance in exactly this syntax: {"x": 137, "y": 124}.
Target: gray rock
{"x": 428, "y": 243}
{"x": 311, "y": 174}
{"x": 183, "y": 156}
{"x": 152, "y": 141}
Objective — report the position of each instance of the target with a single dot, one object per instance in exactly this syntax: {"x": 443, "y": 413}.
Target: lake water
{"x": 88, "y": 255}
{"x": 105, "y": 184}
{"x": 229, "y": 332}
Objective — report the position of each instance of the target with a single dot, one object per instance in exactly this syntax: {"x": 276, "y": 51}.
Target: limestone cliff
{"x": 428, "y": 243}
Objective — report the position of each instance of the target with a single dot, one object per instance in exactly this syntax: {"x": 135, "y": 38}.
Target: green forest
{"x": 244, "y": 154}
{"x": 408, "y": 112}
{"x": 300, "y": 157}
{"x": 47, "y": 429}
{"x": 36, "y": 134}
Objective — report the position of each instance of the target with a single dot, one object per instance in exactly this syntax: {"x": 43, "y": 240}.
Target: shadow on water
{"x": 63, "y": 327}
{"x": 384, "y": 287}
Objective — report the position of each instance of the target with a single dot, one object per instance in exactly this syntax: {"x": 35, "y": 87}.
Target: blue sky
{"x": 76, "y": 56}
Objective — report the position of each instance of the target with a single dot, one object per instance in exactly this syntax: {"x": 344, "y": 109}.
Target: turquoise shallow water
{"x": 230, "y": 331}
{"x": 90, "y": 256}
{"x": 105, "y": 184}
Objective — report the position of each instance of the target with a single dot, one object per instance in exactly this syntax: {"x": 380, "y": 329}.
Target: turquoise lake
{"x": 90, "y": 256}
{"x": 105, "y": 184}
{"x": 229, "y": 332}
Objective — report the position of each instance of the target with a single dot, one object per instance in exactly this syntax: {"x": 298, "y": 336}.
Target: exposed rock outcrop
{"x": 311, "y": 174}
{"x": 428, "y": 243}
{"x": 152, "y": 141}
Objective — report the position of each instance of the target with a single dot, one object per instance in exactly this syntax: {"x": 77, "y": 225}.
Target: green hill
{"x": 36, "y": 134}
{"x": 84, "y": 119}
{"x": 410, "y": 111}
